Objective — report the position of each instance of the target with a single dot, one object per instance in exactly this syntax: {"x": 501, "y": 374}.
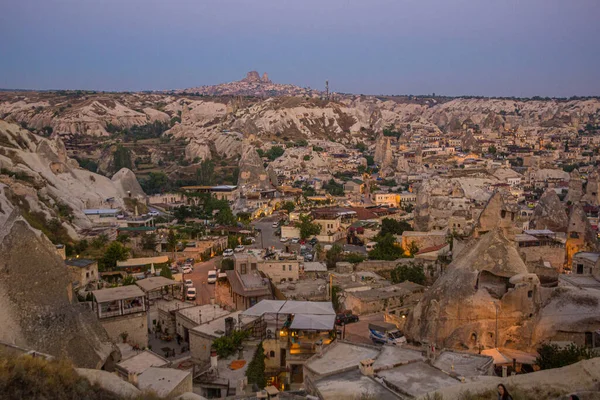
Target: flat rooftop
{"x": 467, "y": 365}
{"x": 117, "y": 293}
{"x": 416, "y": 379}
{"x": 339, "y": 356}
{"x": 203, "y": 314}
{"x": 351, "y": 385}
{"x": 216, "y": 327}
{"x": 161, "y": 380}
{"x": 79, "y": 262}
{"x": 142, "y": 361}
{"x": 156, "y": 282}
{"x": 393, "y": 356}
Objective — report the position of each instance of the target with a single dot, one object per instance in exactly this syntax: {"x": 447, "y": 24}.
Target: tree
{"x": 370, "y": 160}
{"x": 165, "y": 272}
{"x": 128, "y": 280}
{"x": 333, "y": 255}
{"x": 412, "y": 273}
{"x": 157, "y": 182}
{"x": 100, "y": 241}
{"x": 274, "y": 152}
{"x": 205, "y": 175}
{"x": 307, "y": 227}
{"x": 412, "y": 249}
{"x": 386, "y": 249}
{"x": 335, "y": 298}
{"x": 114, "y": 252}
{"x": 123, "y": 238}
{"x": 227, "y": 264}
{"x": 354, "y": 258}
{"x": 256, "y": 368}
{"x": 149, "y": 241}
{"x": 492, "y": 149}
{"x": 225, "y": 217}
{"x": 552, "y": 356}
{"x": 47, "y": 130}
{"x": 360, "y": 146}
{"x": 394, "y": 227}
{"x": 172, "y": 240}
{"x": 181, "y": 213}
{"x": 334, "y": 188}
{"x": 122, "y": 158}
{"x": 288, "y": 206}
{"x": 306, "y": 158}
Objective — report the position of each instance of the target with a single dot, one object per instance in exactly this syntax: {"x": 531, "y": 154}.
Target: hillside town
{"x": 427, "y": 260}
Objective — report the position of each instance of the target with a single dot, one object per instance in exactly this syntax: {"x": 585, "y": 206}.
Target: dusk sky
{"x": 450, "y": 47}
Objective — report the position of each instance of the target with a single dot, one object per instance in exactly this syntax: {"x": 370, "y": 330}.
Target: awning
{"x": 313, "y": 322}
{"x": 307, "y": 307}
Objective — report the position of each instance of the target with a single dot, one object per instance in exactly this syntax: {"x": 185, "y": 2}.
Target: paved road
{"x": 267, "y": 233}
{"x": 199, "y": 276}
{"x": 358, "y": 332}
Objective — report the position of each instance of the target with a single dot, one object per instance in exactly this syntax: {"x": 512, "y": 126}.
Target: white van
{"x": 212, "y": 276}
{"x": 370, "y": 246}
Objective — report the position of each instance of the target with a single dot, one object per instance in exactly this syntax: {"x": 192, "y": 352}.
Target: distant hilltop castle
{"x": 254, "y": 77}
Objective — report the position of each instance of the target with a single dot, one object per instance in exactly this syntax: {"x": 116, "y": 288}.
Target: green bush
{"x": 552, "y": 356}
{"x": 228, "y": 345}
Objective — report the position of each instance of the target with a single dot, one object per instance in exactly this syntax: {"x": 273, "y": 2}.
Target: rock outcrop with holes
{"x": 489, "y": 276}
{"x": 549, "y": 213}
{"x": 49, "y": 182}
{"x": 36, "y": 308}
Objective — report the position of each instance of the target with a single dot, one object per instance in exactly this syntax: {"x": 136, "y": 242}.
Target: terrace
{"x": 118, "y": 301}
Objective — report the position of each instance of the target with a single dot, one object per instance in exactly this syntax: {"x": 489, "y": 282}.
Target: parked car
{"x": 212, "y": 276}
{"x": 188, "y": 283}
{"x": 283, "y": 239}
{"x": 385, "y": 333}
{"x": 346, "y": 318}
{"x": 295, "y": 240}
{"x": 190, "y": 260}
{"x": 313, "y": 241}
{"x": 190, "y": 293}
{"x": 186, "y": 270}
{"x": 275, "y": 225}
{"x": 228, "y": 253}
{"x": 239, "y": 248}
{"x": 308, "y": 257}
{"x": 154, "y": 213}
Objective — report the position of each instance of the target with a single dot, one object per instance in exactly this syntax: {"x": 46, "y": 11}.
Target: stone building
{"x": 83, "y": 271}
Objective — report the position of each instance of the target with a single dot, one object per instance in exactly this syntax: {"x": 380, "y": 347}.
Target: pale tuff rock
{"x": 549, "y": 213}
{"x": 252, "y": 172}
{"x": 35, "y": 306}
{"x": 383, "y": 152}
{"x": 459, "y": 310}
{"x": 46, "y": 163}
{"x": 127, "y": 184}
{"x": 500, "y": 212}
{"x": 252, "y": 77}
{"x": 575, "y": 187}
{"x": 592, "y": 190}
{"x": 197, "y": 149}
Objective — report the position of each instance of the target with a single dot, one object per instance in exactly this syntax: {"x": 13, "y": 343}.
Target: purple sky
{"x": 452, "y": 47}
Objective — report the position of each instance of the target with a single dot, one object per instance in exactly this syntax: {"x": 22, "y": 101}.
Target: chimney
{"x": 132, "y": 378}
{"x": 213, "y": 359}
{"x": 366, "y": 367}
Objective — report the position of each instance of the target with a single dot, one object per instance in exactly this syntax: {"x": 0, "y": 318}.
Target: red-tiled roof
{"x": 432, "y": 248}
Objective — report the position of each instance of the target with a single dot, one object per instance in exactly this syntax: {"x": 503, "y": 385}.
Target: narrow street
{"x": 199, "y": 276}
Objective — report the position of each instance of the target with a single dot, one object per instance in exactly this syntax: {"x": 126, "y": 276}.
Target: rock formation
{"x": 498, "y": 213}
{"x": 592, "y": 189}
{"x": 549, "y": 213}
{"x": 265, "y": 78}
{"x": 43, "y": 176}
{"x": 580, "y": 234}
{"x": 252, "y": 176}
{"x": 36, "y": 309}
{"x": 488, "y": 282}
{"x": 383, "y": 153}
{"x": 575, "y": 187}
{"x": 252, "y": 77}
{"x": 127, "y": 185}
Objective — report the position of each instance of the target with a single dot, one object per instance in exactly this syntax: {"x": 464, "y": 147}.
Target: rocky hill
{"x": 252, "y": 85}
{"x": 173, "y": 132}
{"x": 50, "y": 189}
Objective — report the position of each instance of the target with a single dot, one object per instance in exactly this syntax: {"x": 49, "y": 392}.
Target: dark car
{"x": 345, "y": 318}
{"x": 313, "y": 241}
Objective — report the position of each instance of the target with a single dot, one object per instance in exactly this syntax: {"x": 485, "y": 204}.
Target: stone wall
{"x": 185, "y": 386}
{"x": 136, "y": 325}
{"x": 553, "y": 254}
{"x": 200, "y": 347}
